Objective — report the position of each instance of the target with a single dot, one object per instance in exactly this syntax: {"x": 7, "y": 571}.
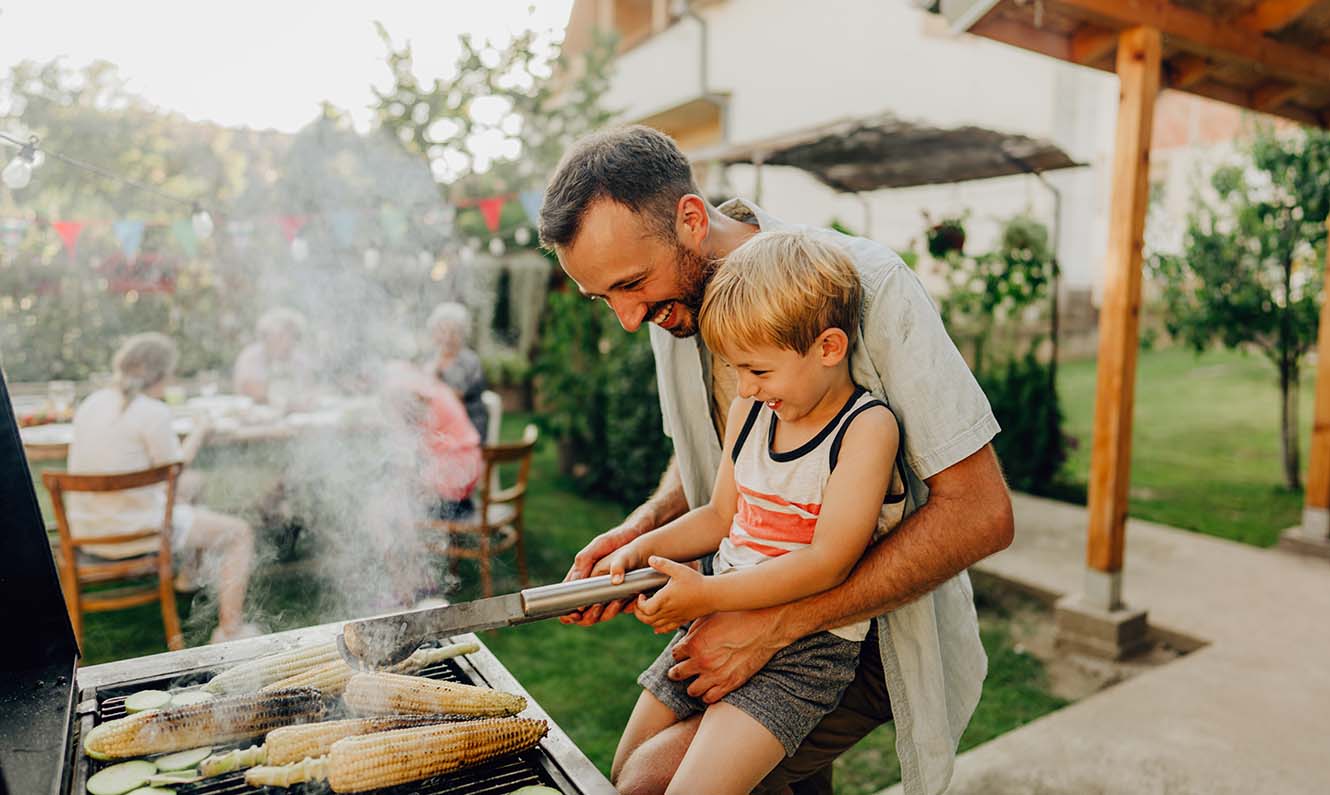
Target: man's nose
{"x": 630, "y": 313}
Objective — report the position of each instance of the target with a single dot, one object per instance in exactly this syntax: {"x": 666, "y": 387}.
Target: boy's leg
{"x": 731, "y": 753}
{"x": 653, "y": 743}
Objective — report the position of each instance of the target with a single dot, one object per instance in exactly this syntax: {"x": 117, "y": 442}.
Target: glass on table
{"x": 208, "y": 381}
{"x": 61, "y": 394}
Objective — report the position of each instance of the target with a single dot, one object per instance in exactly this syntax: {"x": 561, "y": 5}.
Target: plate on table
{"x": 52, "y": 433}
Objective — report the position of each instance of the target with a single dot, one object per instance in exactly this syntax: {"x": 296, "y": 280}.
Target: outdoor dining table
{"x": 235, "y": 420}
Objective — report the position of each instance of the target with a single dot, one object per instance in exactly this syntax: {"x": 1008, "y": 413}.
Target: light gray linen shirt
{"x": 933, "y": 661}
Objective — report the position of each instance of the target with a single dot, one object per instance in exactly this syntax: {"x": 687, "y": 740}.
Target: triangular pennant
{"x": 183, "y": 229}
{"x": 394, "y": 223}
{"x": 291, "y": 225}
{"x": 343, "y": 223}
{"x": 531, "y": 201}
{"x": 130, "y": 235}
{"x": 491, "y": 209}
{"x": 69, "y": 232}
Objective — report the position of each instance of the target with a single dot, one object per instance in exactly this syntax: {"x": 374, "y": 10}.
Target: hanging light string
{"x": 19, "y": 171}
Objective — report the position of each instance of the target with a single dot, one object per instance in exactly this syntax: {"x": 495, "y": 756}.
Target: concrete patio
{"x": 1247, "y": 713}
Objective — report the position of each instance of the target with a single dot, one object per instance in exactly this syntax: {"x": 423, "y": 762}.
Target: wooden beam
{"x": 1090, "y": 43}
{"x": 1193, "y": 30}
{"x": 1014, "y": 33}
{"x": 1269, "y": 96}
{"x": 1318, "y": 468}
{"x": 1186, "y": 70}
{"x": 1272, "y": 15}
{"x": 1138, "y": 67}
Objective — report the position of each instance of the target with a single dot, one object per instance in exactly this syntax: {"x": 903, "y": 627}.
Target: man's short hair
{"x": 783, "y": 289}
{"x": 636, "y": 166}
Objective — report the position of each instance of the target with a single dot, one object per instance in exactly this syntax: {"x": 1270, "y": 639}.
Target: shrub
{"x": 1031, "y": 446}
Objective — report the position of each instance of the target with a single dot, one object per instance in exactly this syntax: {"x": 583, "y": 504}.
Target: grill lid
{"x": 37, "y": 668}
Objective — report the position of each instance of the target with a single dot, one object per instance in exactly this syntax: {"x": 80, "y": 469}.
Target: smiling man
{"x": 630, "y": 228}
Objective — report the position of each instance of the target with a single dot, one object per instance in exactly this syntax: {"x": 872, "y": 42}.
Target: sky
{"x": 259, "y": 64}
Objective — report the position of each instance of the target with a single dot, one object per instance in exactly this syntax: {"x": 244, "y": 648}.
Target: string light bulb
{"x": 202, "y": 221}
{"x": 18, "y": 173}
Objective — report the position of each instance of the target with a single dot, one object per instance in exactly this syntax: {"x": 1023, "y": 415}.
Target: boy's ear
{"x": 833, "y": 346}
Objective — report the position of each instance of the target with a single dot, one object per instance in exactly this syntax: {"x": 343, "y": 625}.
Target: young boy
{"x": 809, "y": 464}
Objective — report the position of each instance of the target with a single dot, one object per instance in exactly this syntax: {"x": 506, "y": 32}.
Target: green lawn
{"x": 584, "y": 677}
{"x": 1205, "y": 446}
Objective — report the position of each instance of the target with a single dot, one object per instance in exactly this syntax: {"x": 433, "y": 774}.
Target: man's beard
{"x": 695, "y": 271}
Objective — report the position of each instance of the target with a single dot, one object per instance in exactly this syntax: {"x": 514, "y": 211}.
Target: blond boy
{"x": 806, "y": 479}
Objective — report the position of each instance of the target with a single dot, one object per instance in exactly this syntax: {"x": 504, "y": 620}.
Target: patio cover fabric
{"x": 858, "y": 155}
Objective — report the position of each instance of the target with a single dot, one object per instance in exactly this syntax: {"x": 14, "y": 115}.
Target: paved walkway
{"x": 1248, "y": 713}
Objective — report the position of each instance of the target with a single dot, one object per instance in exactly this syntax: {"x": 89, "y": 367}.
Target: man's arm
{"x": 967, "y": 518}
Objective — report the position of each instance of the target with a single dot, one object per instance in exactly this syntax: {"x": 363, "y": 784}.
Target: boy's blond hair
{"x": 783, "y": 289}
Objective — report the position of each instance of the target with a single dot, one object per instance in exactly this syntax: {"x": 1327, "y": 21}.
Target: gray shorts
{"x": 796, "y": 689}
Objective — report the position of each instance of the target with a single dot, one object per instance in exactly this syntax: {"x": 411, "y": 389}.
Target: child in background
{"x": 802, "y": 488}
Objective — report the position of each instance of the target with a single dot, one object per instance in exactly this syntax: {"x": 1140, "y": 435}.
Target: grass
{"x": 1205, "y": 443}
{"x": 584, "y": 677}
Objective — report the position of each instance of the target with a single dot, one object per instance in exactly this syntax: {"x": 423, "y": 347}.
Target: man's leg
{"x": 864, "y": 706}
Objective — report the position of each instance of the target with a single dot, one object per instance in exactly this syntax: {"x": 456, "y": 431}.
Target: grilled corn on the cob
{"x": 381, "y": 693}
{"x": 330, "y": 678}
{"x": 371, "y": 761}
{"x": 423, "y": 658}
{"x": 250, "y": 676}
{"x": 293, "y": 743}
{"x": 212, "y": 722}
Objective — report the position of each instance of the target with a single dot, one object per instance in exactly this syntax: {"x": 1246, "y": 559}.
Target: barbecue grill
{"x": 47, "y": 703}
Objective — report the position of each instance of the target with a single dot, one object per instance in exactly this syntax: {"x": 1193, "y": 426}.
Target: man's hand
{"x": 724, "y": 650}
{"x": 684, "y": 598}
{"x": 593, "y": 560}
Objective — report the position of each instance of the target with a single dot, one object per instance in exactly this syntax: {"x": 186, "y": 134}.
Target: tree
{"x": 1250, "y": 271}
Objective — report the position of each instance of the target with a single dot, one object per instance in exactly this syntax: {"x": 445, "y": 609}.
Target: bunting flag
{"x": 12, "y": 231}
{"x": 183, "y": 230}
{"x": 394, "y": 223}
{"x": 69, "y": 232}
{"x": 531, "y": 201}
{"x": 343, "y": 225}
{"x": 291, "y": 225}
{"x": 491, "y": 209}
{"x": 130, "y": 235}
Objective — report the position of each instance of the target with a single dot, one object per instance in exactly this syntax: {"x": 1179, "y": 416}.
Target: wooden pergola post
{"x": 1316, "y": 507}
{"x": 1138, "y": 68}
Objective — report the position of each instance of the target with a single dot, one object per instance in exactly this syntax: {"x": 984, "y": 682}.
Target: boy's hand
{"x": 623, "y": 559}
{"x": 684, "y": 598}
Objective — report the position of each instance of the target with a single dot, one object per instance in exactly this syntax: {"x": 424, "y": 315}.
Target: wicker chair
{"x": 78, "y": 568}
{"x": 497, "y": 523}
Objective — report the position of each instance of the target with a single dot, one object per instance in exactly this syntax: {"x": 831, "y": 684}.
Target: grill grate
{"x": 494, "y": 778}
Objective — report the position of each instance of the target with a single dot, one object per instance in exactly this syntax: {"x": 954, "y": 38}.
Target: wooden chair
{"x": 497, "y": 524}
{"x": 78, "y": 568}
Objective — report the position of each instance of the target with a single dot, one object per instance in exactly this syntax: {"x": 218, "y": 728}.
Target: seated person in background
{"x": 273, "y": 370}
{"x": 457, "y": 365}
{"x": 449, "y": 442}
{"x": 126, "y": 427}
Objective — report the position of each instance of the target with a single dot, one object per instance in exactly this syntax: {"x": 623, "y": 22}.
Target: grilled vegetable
{"x": 293, "y": 743}
{"x": 538, "y": 789}
{"x": 186, "y": 697}
{"x": 240, "y": 758}
{"x": 145, "y": 700}
{"x": 219, "y": 721}
{"x": 152, "y": 791}
{"x": 119, "y": 779}
{"x": 423, "y": 658}
{"x": 330, "y": 678}
{"x": 371, "y": 761}
{"x": 250, "y": 676}
{"x": 382, "y": 693}
{"x": 182, "y": 760}
{"x": 173, "y": 778}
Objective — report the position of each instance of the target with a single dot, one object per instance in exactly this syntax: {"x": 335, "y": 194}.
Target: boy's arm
{"x": 850, "y": 507}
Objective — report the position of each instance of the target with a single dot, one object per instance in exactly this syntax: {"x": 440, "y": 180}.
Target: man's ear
{"x": 691, "y": 220}
{"x": 832, "y": 346}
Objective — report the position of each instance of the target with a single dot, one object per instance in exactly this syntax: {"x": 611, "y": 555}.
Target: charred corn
{"x": 423, "y": 658}
{"x": 250, "y": 676}
{"x": 293, "y": 743}
{"x": 371, "y": 761}
{"x": 330, "y": 678}
{"x": 221, "y": 720}
{"x": 382, "y": 693}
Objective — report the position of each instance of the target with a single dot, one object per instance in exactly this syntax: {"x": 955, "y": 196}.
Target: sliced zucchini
{"x": 186, "y": 697}
{"x": 182, "y": 760}
{"x": 122, "y": 778}
{"x": 152, "y": 791}
{"x": 173, "y": 778}
{"x": 535, "y": 790}
{"x": 146, "y": 699}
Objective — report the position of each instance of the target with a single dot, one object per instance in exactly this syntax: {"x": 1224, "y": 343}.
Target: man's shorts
{"x": 789, "y": 696}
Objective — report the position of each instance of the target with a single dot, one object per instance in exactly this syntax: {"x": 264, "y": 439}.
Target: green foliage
{"x": 946, "y": 237}
{"x": 598, "y": 386}
{"x": 1031, "y": 446}
{"x": 505, "y": 367}
{"x": 1250, "y": 270}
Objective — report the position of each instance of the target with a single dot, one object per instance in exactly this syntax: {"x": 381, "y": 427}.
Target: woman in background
{"x": 275, "y": 359}
{"x": 126, "y": 427}
{"x": 457, "y": 365}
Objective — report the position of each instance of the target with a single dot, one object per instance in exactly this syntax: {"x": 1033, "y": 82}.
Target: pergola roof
{"x": 857, "y": 155}
{"x": 1271, "y": 56}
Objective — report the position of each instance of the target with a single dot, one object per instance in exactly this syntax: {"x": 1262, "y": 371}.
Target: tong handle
{"x": 564, "y": 597}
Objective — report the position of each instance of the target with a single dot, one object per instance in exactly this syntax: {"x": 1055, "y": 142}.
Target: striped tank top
{"x": 780, "y": 493}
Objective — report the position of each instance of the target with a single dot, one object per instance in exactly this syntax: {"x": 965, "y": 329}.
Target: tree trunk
{"x": 1288, "y": 386}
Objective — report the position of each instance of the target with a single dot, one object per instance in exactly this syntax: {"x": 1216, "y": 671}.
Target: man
{"x": 630, "y": 228}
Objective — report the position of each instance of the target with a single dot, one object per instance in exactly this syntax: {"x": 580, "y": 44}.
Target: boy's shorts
{"x": 793, "y": 691}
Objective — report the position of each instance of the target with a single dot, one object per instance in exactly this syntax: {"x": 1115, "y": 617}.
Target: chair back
{"x": 59, "y": 483}
{"x": 491, "y": 489}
